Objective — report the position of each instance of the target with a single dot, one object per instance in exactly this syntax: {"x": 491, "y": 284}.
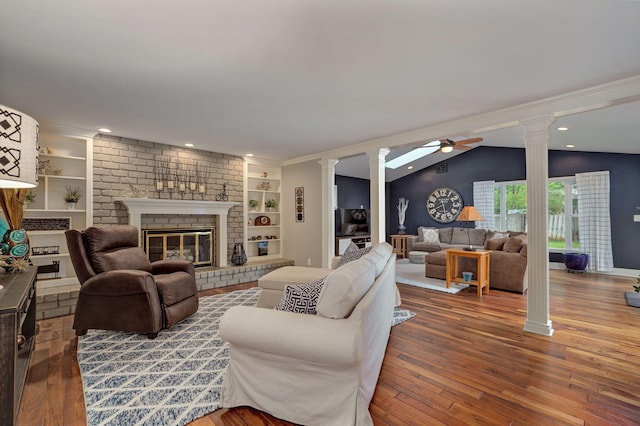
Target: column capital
{"x": 535, "y": 125}
{"x": 379, "y": 153}
{"x": 328, "y": 162}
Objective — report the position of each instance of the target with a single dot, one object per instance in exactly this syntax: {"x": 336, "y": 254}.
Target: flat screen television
{"x": 354, "y": 221}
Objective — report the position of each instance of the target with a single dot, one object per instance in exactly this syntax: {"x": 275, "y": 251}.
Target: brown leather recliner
{"x": 121, "y": 289}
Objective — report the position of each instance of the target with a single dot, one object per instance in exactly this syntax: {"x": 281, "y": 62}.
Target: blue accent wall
{"x": 507, "y": 164}
{"x": 352, "y": 193}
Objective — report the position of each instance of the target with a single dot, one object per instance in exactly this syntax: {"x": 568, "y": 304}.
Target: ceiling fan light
{"x": 446, "y": 149}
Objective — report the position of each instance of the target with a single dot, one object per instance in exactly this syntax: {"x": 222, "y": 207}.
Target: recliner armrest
{"x": 297, "y": 336}
{"x": 169, "y": 266}
{"x": 122, "y": 282}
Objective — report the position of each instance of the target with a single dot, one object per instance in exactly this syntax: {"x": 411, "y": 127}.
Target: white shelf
{"x": 63, "y": 177}
{"x": 66, "y": 157}
{"x": 262, "y": 240}
{"x": 254, "y": 179}
{"x": 45, "y": 233}
{"x": 48, "y": 256}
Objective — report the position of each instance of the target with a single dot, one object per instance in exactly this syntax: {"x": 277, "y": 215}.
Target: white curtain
{"x": 594, "y": 219}
{"x": 483, "y": 202}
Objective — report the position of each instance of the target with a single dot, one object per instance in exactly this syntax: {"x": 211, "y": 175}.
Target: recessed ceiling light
{"x": 410, "y": 167}
{"x": 249, "y": 155}
{"x": 189, "y": 145}
{"x": 563, "y": 129}
{"x": 570, "y": 146}
{"x": 104, "y": 130}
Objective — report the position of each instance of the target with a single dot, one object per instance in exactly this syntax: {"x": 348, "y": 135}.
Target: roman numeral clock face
{"x": 444, "y": 205}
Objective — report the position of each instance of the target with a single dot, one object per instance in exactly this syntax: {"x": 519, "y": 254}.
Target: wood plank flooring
{"x": 462, "y": 360}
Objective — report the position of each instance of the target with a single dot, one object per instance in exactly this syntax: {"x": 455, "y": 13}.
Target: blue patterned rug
{"x": 171, "y": 380}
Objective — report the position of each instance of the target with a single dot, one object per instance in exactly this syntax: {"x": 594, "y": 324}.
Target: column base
{"x": 543, "y": 329}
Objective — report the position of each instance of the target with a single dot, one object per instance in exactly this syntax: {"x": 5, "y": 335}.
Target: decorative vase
{"x": 239, "y": 256}
{"x": 71, "y": 205}
{"x": 633, "y": 298}
{"x": 15, "y": 244}
{"x": 402, "y": 229}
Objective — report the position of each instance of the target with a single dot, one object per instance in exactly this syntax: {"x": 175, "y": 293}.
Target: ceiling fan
{"x": 444, "y": 145}
{"x": 448, "y": 145}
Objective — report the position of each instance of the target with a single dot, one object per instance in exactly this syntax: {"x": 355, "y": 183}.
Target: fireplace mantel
{"x": 139, "y": 206}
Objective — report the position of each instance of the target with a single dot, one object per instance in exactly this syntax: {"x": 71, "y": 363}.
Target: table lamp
{"x": 469, "y": 214}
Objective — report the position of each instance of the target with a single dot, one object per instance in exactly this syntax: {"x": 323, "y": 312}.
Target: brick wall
{"x": 122, "y": 165}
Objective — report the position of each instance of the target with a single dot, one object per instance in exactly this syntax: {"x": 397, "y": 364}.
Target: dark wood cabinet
{"x": 17, "y": 338}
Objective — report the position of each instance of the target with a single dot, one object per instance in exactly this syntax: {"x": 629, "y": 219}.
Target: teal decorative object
{"x": 15, "y": 244}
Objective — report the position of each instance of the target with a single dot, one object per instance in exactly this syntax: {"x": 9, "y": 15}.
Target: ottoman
{"x": 272, "y": 284}
{"x": 436, "y": 265}
{"x": 417, "y": 256}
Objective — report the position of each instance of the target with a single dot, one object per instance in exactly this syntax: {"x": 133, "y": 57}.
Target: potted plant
{"x": 71, "y": 196}
{"x": 253, "y": 205}
{"x": 271, "y": 204}
{"x": 633, "y": 297}
{"x": 29, "y": 198}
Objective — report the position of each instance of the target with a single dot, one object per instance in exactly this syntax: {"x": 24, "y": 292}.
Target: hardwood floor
{"x": 461, "y": 360}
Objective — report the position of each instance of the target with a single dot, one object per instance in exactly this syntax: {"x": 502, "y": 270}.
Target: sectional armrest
{"x": 410, "y": 240}
{"x": 297, "y": 336}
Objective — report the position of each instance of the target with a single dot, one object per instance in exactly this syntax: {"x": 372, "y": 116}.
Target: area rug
{"x": 413, "y": 274}
{"x": 176, "y": 378}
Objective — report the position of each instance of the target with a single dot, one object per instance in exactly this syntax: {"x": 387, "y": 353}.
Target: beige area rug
{"x": 413, "y": 274}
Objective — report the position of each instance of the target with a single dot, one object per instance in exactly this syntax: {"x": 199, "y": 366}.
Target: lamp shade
{"x": 18, "y": 149}
{"x": 469, "y": 214}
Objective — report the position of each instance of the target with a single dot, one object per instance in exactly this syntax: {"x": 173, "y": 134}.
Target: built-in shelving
{"x": 261, "y": 188}
{"x": 68, "y": 164}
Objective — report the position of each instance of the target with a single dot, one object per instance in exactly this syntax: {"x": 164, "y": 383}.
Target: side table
{"x": 482, "y": 279}
{"x": 399, "y": 244}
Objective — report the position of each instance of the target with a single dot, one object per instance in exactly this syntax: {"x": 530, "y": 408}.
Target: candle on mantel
{"x": 182, "y": 187}
{"x": 192, "y": 186}
{"x": 201, "y": 189}
{"x": 159, "y": 185}
{"x": 170, "y": 184}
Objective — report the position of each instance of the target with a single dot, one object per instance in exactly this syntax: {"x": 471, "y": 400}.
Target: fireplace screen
{"x": 194, "y": 245}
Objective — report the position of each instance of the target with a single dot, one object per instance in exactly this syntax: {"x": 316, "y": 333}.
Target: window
{"x": 510, "y": 211}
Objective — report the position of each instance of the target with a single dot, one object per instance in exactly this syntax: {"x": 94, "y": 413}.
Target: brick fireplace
{"x": 218, "y": 212}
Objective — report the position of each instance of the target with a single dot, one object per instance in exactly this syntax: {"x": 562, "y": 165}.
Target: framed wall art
{"x": 299, "y": 204}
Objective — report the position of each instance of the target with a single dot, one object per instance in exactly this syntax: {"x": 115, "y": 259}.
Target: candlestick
{"x": 170, "y": 184}
{"x": 159, "y": 185}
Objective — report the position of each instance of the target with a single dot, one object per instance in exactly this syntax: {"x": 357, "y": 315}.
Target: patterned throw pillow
{"x": 301, "y": 298}
{"x": 430, "y": 235}
{"x": 352, "y": 253}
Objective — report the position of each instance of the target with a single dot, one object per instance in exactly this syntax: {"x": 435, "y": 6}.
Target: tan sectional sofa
{"x": 508, "y": 264}
{"x": 452, "y": 237}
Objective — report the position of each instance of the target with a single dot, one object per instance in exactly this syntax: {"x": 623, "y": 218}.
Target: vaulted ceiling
{"x": 287, "y": 79}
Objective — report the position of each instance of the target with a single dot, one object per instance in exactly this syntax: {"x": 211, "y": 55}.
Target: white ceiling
{"x": 286, "y": 79}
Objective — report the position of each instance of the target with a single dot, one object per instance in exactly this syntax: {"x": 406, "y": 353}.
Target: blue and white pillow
{"x": 301, "y": 298}
{"x": 352, "y": 253}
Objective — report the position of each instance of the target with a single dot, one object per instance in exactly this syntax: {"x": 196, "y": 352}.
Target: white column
{"x": 328, "y": 215}
{"x": 536, "y": 134}
{"x": 377, "y": 191}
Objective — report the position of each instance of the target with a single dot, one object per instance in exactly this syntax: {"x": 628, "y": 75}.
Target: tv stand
{"x": 343, "y": 242}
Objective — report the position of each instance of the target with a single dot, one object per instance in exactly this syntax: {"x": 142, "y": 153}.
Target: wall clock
{"x": 444, "y": 205}
{"x": 262, "y": 221}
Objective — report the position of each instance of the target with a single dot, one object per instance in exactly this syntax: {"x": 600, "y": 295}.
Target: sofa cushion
{"x": 301, "y": 298}
{"x": 495, "y": 235}
{"x": 430, "y": 235}
{"x": 379, "y": 255}
{"x": 344, "y": 288}
{"x": 445, "y": 234}
{"x": 428, "y": 247}
{"x": 514, "y": 244}
{"x": 352, "y": 253}
{"x": 494, "y": 243}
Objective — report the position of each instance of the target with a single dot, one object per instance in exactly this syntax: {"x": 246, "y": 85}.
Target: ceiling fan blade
{"x": 468, "y": 141}
{"x": 462, "y": 147}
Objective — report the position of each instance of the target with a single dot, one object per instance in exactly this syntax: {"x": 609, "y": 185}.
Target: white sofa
{"x": 315, "y": 369}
